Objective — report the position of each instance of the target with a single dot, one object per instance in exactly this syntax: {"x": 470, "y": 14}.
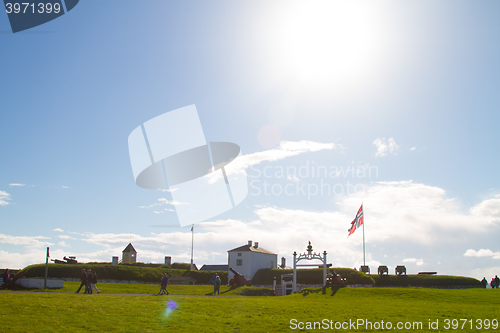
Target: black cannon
{"x": 400, "y": 270}
{"x": 238, "y": 279}
{"x": 334, "y": 279}
{"x": 67, "y": 260}
{"x": 383, "y": 270}
{"x": 71, "y": 260}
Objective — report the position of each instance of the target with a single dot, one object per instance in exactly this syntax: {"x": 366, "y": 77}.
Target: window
{"x": 126, "y": 254}
{"x": 239, "y": 262}
{"x": 239, "y": 254}
{"x": 132, "y": 255}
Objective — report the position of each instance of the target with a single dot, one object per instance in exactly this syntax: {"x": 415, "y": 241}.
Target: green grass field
{"x": 111, "y": 312}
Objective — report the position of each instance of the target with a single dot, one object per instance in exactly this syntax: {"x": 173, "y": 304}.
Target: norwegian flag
{"x": 357, "y": 222}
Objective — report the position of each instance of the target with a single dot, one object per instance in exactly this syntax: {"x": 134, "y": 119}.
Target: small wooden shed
{"x": 129, "y": 255}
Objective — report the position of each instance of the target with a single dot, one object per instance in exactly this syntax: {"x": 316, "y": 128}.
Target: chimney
{"x": 168, "y": 261}
{"x": 283, "y": 262}
{"x": 249, "y": 243}
{"x": 256, "y": 245}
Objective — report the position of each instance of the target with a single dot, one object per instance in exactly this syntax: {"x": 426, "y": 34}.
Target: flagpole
{"x": 364, "y": 262}
{"x": 192, "y": 245}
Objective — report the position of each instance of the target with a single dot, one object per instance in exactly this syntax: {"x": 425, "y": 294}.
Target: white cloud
{"x": 158, "y": 212}
{"x": 292, "y": 178}
{"x": 63, "y": 244}
{"x": 17, "y": 260}
{"x": 150, "y": 206}
{"x": 488, "y": 209}
{"x": 239, "y": 165}
{"x": 285, "y": 149}
{"x": 16, "y": 184}
{"x": 385, "y": 146}
{"x": 58, "y": 230}
{"x": 64, "y": 186}
{"x": 482, "y": 253}
{"x": 4, "y": 196}
{"x": 415, "y": 212}
{"x": 413, "y": 148}
{"x": 170, "y": 190}
{"x": 23, "y": 240}
{"x": 171, "y": 202}
{"x": 110, "y": 239}
{"x": 487, "y": 272}
{"x": 66, "y": 237}
{"x": 418, "y": 262}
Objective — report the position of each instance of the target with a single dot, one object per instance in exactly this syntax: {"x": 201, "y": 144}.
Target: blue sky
{"x": 407, "y": 90}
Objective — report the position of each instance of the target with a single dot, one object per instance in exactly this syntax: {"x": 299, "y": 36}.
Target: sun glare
{"x": 335, "y": 41}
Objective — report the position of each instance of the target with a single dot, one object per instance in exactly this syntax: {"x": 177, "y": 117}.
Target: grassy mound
{"x": 311, "y": 276}
{"x": 142, "y": 273}
{"x": 424, "y": 280}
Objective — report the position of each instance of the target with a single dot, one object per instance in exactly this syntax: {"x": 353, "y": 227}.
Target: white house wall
{"x": 252, "y": 262}
{"x": 262, "y": 260}
{"x": 244, "y": 270}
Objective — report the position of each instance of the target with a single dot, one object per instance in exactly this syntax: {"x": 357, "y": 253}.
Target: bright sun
{"x": 325, "y": 41}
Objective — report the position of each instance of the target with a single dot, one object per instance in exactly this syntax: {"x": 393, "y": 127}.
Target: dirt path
{"x": 104, "y": 294}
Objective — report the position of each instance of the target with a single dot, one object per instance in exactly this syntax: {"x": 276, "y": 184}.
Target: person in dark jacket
{"x": 84, "y": 281}
{"x": 6, "y": 278}
{"x": 163, "y": 285}
{"x": 88, "y": 287}
{"x": 217, "y": 285}
{"x": 94, "y": 282}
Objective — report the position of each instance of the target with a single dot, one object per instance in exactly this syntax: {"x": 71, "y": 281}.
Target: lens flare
{"x": 171, "y": 306}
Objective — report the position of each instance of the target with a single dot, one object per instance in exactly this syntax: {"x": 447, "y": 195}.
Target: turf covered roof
{"x": 129, "y": 248}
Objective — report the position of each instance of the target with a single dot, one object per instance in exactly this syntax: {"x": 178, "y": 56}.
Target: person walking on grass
{"x": 217, "y": 285}
{"x": 497, "y": 281}
{"x": 88, "y": 288}
{"x": 84, "y": 282}
{"x": 163, "y": 285}
{"x": 6, "y": 278}
{"x": 94, "y": 282}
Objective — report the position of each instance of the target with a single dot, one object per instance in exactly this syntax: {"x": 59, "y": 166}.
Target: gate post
{"x": 324, "y": 268}
{"x": 294, "y": 282}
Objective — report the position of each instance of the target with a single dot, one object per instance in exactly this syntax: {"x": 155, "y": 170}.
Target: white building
{"x": 248, "y": 259}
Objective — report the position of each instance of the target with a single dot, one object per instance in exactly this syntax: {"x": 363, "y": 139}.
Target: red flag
{"x": 357, "y": 222}
{"x": 192, "y": 228}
